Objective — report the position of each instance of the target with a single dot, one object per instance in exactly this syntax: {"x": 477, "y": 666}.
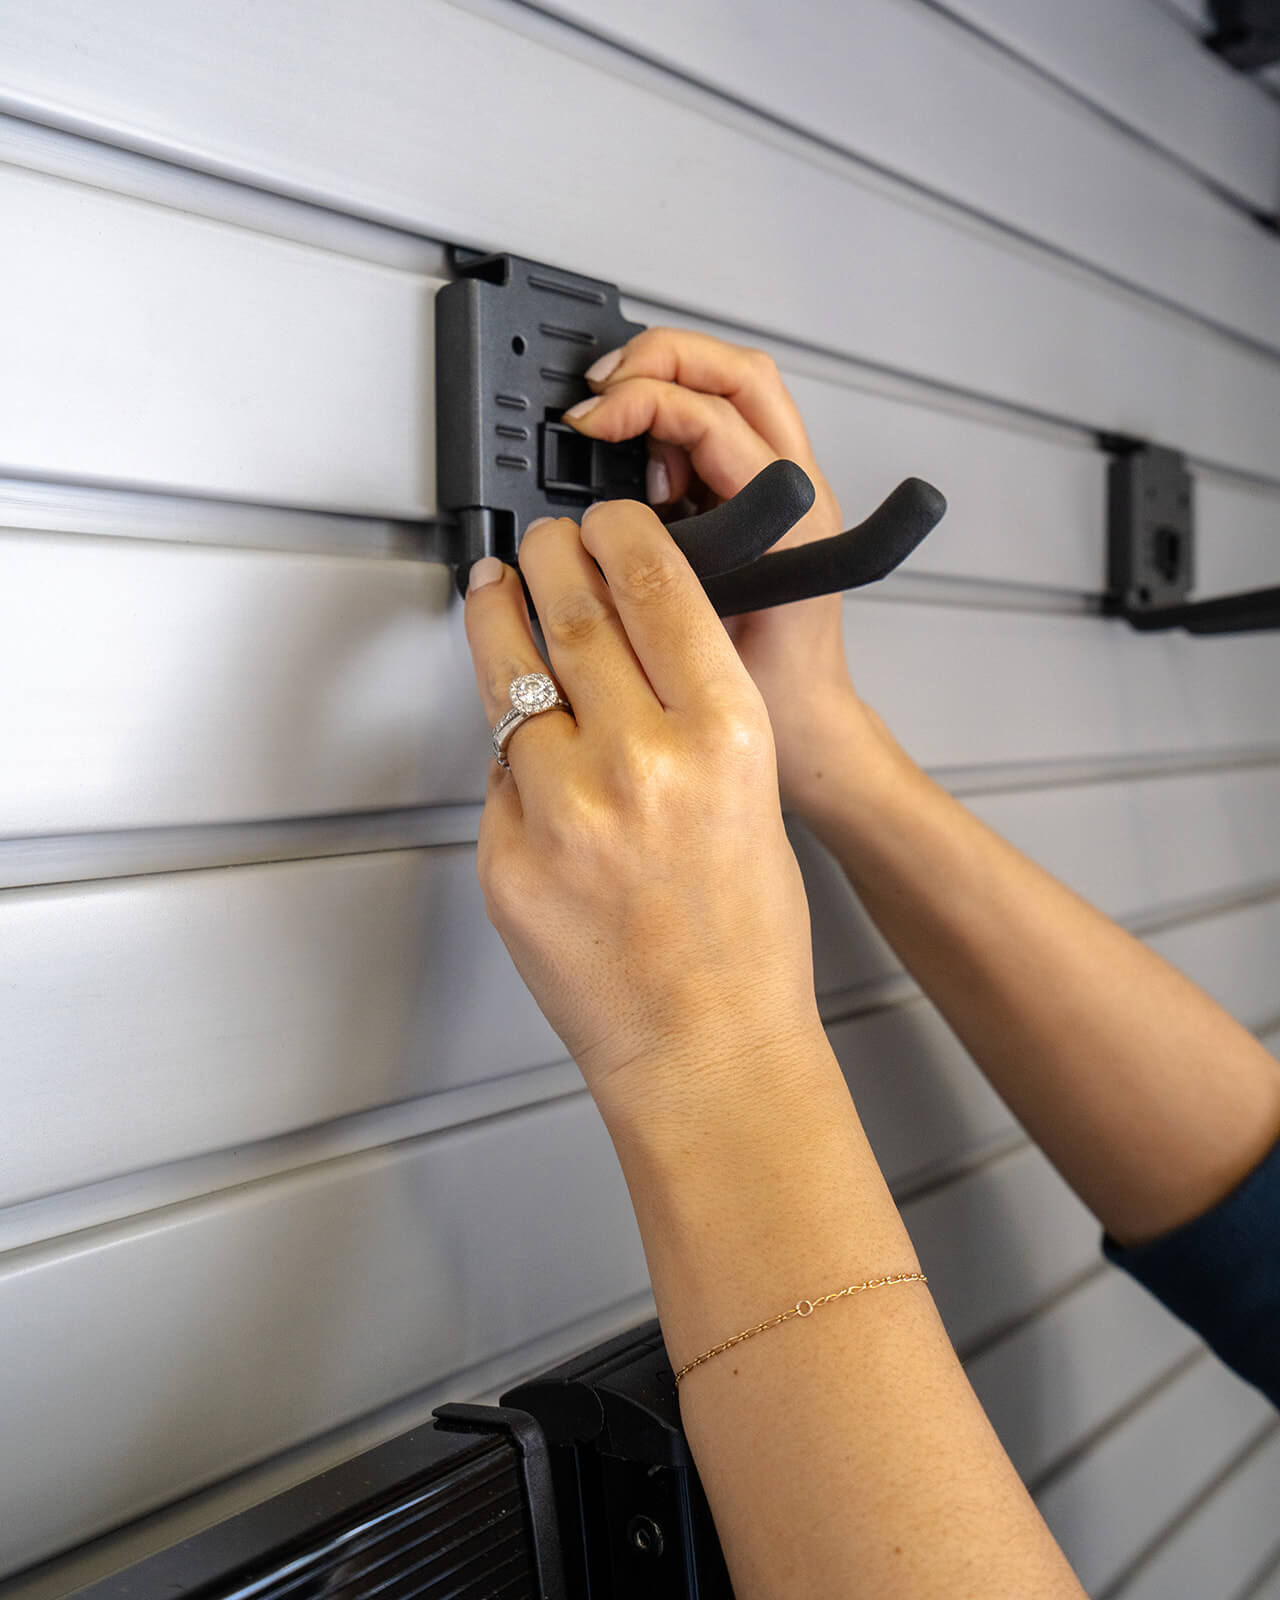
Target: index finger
{"x": 679, "y": 640}
{"x": 748, "y": 378}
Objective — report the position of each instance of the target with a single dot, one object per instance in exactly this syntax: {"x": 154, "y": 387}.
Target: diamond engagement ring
{"x": 532, "y": 693}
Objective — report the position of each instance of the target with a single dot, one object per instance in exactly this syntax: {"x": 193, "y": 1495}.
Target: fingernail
{"x": 594, "y": 506}
{"x": 657, "y": 482}
{"x": 536, "y": 523}
{"x": 583, "y": 406}
{"x": 487, "y": 570}
{"x": 598, "y": 371}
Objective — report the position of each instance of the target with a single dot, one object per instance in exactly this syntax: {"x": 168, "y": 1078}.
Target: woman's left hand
{"x": 634, "y": 859}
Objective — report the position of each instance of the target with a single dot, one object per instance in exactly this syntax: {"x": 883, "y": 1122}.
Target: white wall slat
{"x": 993, "y": 687}
{"x": 1020, "y": 508}
{"x": 1123, "y": 846}
{"x": 1269, "y": 1586}
{"x": 285, "y": 1107}
{"x": 952, "y": 304}
{"x": 1237, "y": 537}
{"x": 1056, "y": 1379}
{"x": 364, "y": 1279}
{"x": 202, "y": 1010}
{"x": 983, "y": 131}
{"x": 1232, "y": 956}
{"x": 303, "y": 678}
{"x": 1112, "y": 1503}
{"x": 997, "y": 1242}
{"x": 1140, "y": 66}
{"x": 358, "y": 397}
{"x": 1224, "y": 1543}
{"x": 206, "y": 357}
{"x": 382, "y": 1272}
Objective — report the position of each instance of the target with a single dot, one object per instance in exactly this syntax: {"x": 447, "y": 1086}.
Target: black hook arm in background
{"x": 1255, "y": 611}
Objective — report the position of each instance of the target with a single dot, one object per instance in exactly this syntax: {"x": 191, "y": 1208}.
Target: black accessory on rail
{"x": 1151, "y": 548}
{"x": 514, "y": 339}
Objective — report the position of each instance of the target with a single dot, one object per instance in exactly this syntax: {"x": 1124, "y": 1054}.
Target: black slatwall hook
{"x": 514, "y": 339}
{"x": 1151, "y": 544}
{"x": 726, "y": 546}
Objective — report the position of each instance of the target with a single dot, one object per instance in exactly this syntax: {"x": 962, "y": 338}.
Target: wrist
{"x": 849, "y": 773}
{"x": 717, "y": 1078}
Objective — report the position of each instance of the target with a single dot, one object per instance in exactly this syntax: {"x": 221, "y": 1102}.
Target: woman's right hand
{"x": 716, "y": 414}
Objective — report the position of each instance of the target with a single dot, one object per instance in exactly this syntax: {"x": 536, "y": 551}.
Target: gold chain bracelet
{"x": 802, "y": 1308}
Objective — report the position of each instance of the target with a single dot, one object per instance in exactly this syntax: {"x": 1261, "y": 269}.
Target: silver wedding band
{"x": 530, "y": 694}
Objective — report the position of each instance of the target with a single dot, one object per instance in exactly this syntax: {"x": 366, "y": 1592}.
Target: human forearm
{"x": 844, "y": 1453}
{"x": 1152, "y": 1101}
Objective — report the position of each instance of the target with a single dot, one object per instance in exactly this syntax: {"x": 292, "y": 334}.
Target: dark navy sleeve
{"x": 1221, "y": 1274}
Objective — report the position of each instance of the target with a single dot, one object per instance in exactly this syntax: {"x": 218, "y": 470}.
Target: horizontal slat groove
{"x": 897, "y": 989}
{"x": 527, "y": 46}
{"x": 79, "y": 154}
{"x": 480, "y": 1384}
{"x": 1219, "y": 1483}
{"x": 1265, "y": 1582}
{"x": 982, "y": 212}
{"x": 919, "y": 1188}
{"x": 35, "y": 860}
{"x": 1246, "y": 195}
{"x": 971, "y": 1349}
{"x": 1141, "y": 1397}
{"x": 75, "y": 1212}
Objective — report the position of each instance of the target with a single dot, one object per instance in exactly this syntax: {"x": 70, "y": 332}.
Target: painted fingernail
{"x": 598, "y": 371}
{"x": 657, "y": 482}
{"x": 583, "y": 406}
{"x": 487, "y": 570}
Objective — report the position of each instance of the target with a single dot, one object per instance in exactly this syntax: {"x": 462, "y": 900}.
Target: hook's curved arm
{"x": 726, "y": 546}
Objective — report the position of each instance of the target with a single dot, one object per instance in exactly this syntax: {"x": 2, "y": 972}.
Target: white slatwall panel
{"x": 1121, "y": 845}
{"x": 229, "y": 1329}
{"x": 362, "y": 981}
{"x": 380, "y": 1270}
{"x": 1056, "y": 1379}
{"x": 999, "y": 1241}
{"x": 358, "y": 395}
{"x": 1269, "y": 1588}
{"x": 286, "y": 1106}
{"x": 1071, "y": 179}
{"x": 952, "y": 304}
{"x": 207, "y": 357}
{"x": 1126, "y": 1491}
{"x": 303, "y": 678}
{"x": 1138, "y": 64}
{"x": 1226, "y": 1541}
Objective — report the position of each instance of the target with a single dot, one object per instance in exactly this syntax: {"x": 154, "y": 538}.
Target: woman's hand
{"x": 634, "y": 859}
{"x": 716, "y": 414}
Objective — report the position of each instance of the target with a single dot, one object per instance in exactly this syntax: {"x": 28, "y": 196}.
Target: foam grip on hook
{"x": 738, "y": 532}
{"x": 847, "y": 560}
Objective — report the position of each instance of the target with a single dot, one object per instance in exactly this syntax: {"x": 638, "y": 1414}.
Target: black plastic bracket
{"x": 1151, "y": 551}
{"x": 1151, "y": 548}
{"x": 514, "y": 339}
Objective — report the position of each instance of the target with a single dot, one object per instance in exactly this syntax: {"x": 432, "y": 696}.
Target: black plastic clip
{"x": 514, "y": 339}
{"x": 1151, "y": 548}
